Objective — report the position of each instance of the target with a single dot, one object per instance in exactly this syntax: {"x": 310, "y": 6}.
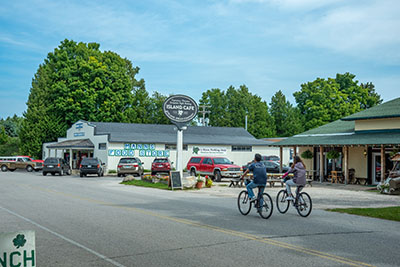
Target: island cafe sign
{"x": 180, "y": 109}
{"x": 17, "y": 249}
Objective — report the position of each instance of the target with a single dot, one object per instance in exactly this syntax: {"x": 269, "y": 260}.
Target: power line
{"x": 204, "y": 112}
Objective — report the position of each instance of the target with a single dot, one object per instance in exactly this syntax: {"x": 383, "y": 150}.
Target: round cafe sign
{"x": 180, "y": 108}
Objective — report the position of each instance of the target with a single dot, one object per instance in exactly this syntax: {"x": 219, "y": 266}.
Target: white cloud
{"x": 369, "y": 31}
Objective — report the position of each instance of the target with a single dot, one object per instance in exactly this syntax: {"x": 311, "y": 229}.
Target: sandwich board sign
{"x": 18, "y": 249}
{"x": 176, "y": 179}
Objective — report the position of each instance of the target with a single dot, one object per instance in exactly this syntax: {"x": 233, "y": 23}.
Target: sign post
{"x": 180, "y": 109}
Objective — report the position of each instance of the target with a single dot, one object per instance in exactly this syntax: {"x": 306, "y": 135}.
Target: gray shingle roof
{"x": 159, "y": 133}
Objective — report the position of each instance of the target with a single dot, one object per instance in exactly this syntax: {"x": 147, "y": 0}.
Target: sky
{"x": 188, "y": 47}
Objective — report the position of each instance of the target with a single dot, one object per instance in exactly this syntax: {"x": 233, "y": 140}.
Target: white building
{"x": 110, "y": 141}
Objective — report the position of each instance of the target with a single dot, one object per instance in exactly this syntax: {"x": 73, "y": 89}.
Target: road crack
{"x": 318, "y": 234}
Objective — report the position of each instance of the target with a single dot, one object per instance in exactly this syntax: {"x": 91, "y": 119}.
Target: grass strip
{"x": 147, "y": 184}
{"x": 387, "y": 213}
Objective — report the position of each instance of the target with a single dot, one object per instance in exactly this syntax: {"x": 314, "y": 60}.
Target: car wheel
{"x": 4, "y": 168}
{"x": 29, "y": 168}
{"x": 192, "y": 172}
{"x": 81, "y": 174}
{"x": 119, "y": 175}
{"x": 153, "y": 173}
{"x": 69, "y": 172}
{"x": 99, "y": 174}
{"x": 44, "y": 173}
{"x": 217, "y": 176}
{"x": 61, "y": 172}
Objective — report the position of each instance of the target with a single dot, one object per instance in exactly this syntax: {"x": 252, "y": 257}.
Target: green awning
{"x": 378, "y": 138}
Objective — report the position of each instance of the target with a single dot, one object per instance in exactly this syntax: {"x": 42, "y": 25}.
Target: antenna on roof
{"x": 204, "y": 112}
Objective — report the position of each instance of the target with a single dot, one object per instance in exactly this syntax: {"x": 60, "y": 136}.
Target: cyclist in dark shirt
{"x": 259, "y": 177}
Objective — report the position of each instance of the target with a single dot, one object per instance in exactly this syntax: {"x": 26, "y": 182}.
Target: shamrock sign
{"x": 19, "y": 241}
{"x": 195, "y": 150}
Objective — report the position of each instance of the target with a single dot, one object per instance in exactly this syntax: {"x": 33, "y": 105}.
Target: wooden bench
{"x": 360, "y": 180}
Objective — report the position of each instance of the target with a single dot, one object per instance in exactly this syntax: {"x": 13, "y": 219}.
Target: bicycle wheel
{"x": 267, "y": 207}
{"x": 281, "y": 203}
{"x": 243, "y": 202}
{"x": 304, "y": 204}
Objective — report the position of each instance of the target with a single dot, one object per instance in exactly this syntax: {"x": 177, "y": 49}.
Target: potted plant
{"x": 199, "y": 183}
{"x": 307, "y": 154}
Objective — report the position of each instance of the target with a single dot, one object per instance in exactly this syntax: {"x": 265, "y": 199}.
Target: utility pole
{"x": 204, "y": 112}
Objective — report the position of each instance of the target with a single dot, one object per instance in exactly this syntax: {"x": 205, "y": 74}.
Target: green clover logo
{"x": 19, "y": 241}
{"x": 196, "y": 150}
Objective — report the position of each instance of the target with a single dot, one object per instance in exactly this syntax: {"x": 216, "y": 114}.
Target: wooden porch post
{"x": 383, "y": 163}
{"x": 346, "y": 164}
{"x": 295, "y": 151}
{"x": 281, "y": 158}
{"x": 321, "y": 164}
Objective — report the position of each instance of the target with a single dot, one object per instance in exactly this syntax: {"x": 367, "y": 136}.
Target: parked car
{"x": 215, "y": 167}
{"x": 270, "y": 158}
{"x": 56, "y": 165}
{"x": 130, "y": 166}
{"x": 160, "y": 165}
{"x": 271, "y": 166}
{"x": 39, "y": 162}
{"x": 11, "y": 163}
{"x": 91, "y": 166}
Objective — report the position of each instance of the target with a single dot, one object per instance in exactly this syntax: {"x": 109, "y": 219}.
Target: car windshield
{"x": 222, "y": 161}
{"x": 160, "y": 160}
{"x": 51, "y": 160}
{"x": 133, "y": 160}
{"x": 89, "y": 161}
{"x": 269, "y": 163}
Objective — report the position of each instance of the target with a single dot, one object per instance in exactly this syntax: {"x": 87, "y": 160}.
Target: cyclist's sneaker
{"x": 289, "y": 198}
{"x": 253, "y": 199}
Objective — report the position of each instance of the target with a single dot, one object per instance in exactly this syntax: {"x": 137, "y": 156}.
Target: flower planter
{"x": 199, "y": 185}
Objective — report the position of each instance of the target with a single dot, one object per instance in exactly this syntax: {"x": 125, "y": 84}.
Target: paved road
{"x": 97, "y": 222}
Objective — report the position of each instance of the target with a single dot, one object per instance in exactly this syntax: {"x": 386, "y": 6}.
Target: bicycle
{"x": 302, "y": 202}
{"x": 244, "y": 204}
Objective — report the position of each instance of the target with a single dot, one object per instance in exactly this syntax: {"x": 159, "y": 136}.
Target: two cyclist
{"x": 298, "y": 169}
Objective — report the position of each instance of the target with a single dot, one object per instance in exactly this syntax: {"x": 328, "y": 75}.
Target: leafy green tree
{"x": 287, "y": 119}
{"x": 78, "y": 81}
{"x": 3, "y": 136}
{"x": 326, "y": 100}
{"x": 155, "y": 109}
{"x": 12, "y": 125}
{"x": 229, "y": 109}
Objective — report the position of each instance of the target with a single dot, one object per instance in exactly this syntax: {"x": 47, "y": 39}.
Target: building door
{"x": 376, "y": 168}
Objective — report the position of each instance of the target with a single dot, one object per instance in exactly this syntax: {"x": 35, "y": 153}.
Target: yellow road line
{"x": 218, "y": 229}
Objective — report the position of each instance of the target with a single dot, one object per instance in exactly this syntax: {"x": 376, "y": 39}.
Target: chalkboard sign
{"x": 176, "y": 180}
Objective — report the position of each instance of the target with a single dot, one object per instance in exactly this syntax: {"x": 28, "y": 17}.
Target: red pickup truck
{"x": 216, "y": 167}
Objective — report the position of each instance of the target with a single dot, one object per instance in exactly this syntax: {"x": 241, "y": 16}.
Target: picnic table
{"x": 272, "y": 179}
